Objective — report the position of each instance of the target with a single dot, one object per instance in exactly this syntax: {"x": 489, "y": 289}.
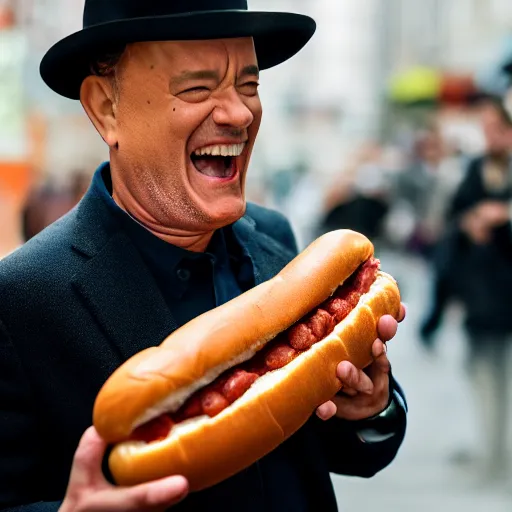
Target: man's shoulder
{"x": 266, "y": 219}
{"x": 272, "y": 223}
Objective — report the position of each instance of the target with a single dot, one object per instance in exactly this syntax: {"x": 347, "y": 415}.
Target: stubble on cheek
{"x": 169, "y": 201}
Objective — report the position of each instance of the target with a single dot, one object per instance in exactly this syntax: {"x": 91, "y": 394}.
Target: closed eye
{"x": 195, "y": 94}
{"x": 250, "y": 88}
{"x": 196, "y": 89}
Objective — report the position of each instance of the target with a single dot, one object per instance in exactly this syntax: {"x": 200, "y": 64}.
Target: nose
{"x": 232, "y": 111}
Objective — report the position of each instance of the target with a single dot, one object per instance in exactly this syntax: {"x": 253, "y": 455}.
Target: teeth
{"x": 221, "y": 150}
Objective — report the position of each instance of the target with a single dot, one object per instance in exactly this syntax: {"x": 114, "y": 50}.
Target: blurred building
{"x": 319, "y": 104}
{"x": 69, "y": 139}
{"x": 326, "y": 99}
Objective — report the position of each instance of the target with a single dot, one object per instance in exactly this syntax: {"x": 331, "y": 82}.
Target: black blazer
{"x": 76, "y": 302}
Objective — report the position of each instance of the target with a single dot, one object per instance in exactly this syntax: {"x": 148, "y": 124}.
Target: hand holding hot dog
{"x": 88, "y": 491}
{"x": 364, "y": 393}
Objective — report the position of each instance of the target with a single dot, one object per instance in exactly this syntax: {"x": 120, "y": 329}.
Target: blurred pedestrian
{"x": 49, "y": 201}
{"x": 359, "y": 196}
{"x": 474, "y": 266}
{"x": 425, "y": 186}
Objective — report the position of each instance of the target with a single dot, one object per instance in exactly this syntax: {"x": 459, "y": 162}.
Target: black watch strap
{"x": 383, "y": 426}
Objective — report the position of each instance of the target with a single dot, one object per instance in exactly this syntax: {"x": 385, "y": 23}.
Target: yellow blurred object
{"x": 417, "y": 84}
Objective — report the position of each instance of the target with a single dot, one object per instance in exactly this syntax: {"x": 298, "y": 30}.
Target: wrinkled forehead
{"x": 198, "y": 54}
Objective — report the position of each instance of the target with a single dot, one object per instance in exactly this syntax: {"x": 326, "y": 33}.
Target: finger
{"x": 381, "y": 362}
{"x": 381, "y": 393}
{"x": 379, "y": 372}
{"x": 380, "y": 367}
{"x": 348, "y": 391}
{"x": 351, "y": 409}
{"x": 88, "y": 458}
{"x": 378, "y": 349}
{"x": 353, "y": 378}
{"x": 403, "y": 313}
{"x": 326, "y": 411}
{"x": 387, "y": 327}
{"x": 154, "y": 496}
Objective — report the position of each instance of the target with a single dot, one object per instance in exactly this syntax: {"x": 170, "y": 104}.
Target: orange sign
{"x": 15, "y": 179}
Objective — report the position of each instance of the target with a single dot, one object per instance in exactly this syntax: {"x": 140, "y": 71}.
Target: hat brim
{"x": 277, "y": 37}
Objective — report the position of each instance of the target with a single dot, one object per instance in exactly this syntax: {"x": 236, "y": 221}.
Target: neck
{"x": 189, "y": 240}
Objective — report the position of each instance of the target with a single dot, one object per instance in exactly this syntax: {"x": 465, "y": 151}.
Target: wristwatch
{"x": 383, "y": 426}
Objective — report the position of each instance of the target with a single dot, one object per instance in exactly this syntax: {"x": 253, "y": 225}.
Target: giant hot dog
{"x": 234, "y": 383}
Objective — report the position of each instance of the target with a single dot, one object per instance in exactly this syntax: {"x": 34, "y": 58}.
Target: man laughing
{"x": 163, "y": 234}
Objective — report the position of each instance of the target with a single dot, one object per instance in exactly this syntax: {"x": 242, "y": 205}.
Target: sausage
{"x": 300, "y": 337}
{"x": 237, "y": 384}
{"x": 353, "y": 298}
{"x": 190, "y": 409}
{"x": 338, "y": 308}
{"x": 366, "y": 275}
{"x": 256, "y": 365}
{"x": 213, "y": 403}
{"x": 321, "y": 324}
{"x": 350, "y": 294}
{"x": 280, "y": 356}
{"x": 154, "y": 430}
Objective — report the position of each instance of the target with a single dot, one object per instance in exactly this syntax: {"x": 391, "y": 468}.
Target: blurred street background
{"x": 376, "y": 126}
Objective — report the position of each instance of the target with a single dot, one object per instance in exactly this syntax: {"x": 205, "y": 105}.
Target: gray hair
{"x": 106, "y": 65}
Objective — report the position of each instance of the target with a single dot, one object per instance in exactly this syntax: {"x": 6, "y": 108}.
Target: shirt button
{"x": 183, "y": 274}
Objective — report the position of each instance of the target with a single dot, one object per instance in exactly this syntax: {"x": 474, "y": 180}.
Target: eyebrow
{"x": 195, "y": 75}
{"x": 250, "y": 70}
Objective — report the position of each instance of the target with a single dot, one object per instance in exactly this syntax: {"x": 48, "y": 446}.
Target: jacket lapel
{"x": 116, "y": 286}
{"x": 267, "y": 254}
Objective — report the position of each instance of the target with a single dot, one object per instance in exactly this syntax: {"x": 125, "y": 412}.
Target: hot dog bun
{"x": 158, "y": 380}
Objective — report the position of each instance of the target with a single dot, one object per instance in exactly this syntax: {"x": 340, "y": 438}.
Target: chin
{"x": 226, "y": 212}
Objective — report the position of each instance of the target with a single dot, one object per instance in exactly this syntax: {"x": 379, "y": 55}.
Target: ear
{"x": 98, "y": 99}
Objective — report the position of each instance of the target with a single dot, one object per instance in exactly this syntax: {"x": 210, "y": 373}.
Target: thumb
{"x": 88, "y": 458}
{"x": 153, "y": 496}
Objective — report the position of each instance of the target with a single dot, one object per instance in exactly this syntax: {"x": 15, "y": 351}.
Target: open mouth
{"x": 217, "y": 161}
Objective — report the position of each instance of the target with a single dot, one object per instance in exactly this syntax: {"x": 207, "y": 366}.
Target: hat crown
{"x": 104, "y": 11}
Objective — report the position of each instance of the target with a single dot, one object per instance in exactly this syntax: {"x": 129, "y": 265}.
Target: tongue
{"x": 214, "y": 166}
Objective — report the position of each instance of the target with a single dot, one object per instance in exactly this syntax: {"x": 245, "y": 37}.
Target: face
{"x": 430, "y": 148}
{"x": 186, "y": 119}
{"x": 497, "y": 133}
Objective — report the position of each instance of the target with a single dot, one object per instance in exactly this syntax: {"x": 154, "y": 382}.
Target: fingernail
{"x": 321, "y": 414}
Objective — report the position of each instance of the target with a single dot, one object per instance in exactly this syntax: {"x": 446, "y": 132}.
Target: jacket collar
{"x": 118, "y": 288}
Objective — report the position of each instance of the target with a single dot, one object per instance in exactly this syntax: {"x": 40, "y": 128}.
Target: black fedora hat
{"x": 111, "y": 23}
